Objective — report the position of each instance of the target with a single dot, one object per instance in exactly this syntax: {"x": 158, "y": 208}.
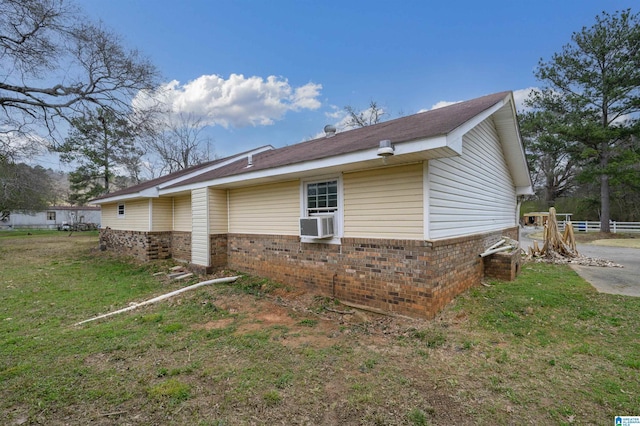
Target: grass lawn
{"x": 546, "y": 349}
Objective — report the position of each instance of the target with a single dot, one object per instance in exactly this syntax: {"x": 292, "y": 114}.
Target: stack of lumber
{"x": 504, "y": 244}
{"x": 555, "y": 244}
{"x": 561, "y": 247}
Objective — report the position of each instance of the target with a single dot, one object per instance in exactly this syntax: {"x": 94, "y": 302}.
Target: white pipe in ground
{"x": 499, "y": 243}
{"x": 162, "y": 297}
{"x": 495, "y": 250}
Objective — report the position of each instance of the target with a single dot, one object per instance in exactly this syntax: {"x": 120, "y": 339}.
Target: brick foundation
{"x": 181, "y": 246}
{"x": 141, "y": 245}
{"x": 408, "y": 277}
{"x": 503, "y": 266}
{"x": 219, "y": 247}
{"x": 414, "y": 278}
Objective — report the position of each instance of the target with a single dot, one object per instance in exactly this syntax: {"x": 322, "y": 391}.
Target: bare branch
{"x": 56, "y": 64}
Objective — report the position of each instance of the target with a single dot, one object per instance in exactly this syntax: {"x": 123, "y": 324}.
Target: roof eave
{"x": 145, "y": 193}
{"x": 524, "y": 190}
{"x": 153, "y": 192}
{"x": 404, "y": 152}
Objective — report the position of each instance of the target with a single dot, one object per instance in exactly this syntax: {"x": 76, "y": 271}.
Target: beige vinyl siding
{"x": 200, "y": 227}
{"x": 384, "y": 203}
{"x": 109, "y": 213}
{"x": 136, "y": 216}
{"x": 182, "y": 213}
{"x": 218, "y": 223}
{"x": 161, "y": 214}
{"x": 474, "y": 192}
{"x": 265, "y": 209}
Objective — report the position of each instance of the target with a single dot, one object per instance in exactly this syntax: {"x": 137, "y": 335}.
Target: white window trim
{"x": 338, "y": 217}
{"x": 124, "y": 210}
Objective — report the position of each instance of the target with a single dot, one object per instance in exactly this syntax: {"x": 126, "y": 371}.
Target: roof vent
{"x": 329, "y": 130}
{"x": 386, "y": 149}
{"x": 249, "y": 161}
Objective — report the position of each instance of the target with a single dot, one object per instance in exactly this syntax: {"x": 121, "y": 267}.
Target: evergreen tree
{"x": 593, "y": 91}
{"x": 102, "y": 144}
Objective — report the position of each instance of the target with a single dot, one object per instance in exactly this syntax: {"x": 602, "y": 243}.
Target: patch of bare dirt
{"x": 214, "y": 325}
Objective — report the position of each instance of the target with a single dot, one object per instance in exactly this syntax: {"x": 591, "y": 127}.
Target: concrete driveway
{"x": 624, "y": 281}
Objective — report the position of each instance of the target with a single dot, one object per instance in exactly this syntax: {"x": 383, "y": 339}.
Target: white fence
{"x": 593, "y": 226}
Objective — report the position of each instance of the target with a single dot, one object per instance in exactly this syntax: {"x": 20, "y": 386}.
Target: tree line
{"x": 69, "y": 85}
{"x": 582, "y": 130}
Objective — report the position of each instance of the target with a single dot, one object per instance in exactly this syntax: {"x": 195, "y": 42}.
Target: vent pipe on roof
{"x": 329, "y": 130}
{"x": 249, "y": 161}
{"x": 385, "y": 149}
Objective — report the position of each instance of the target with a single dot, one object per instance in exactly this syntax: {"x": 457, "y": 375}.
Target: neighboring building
{"x": 540, "y": 218}
{"x": 402, "y": 208}
{"x": 52, "y": 218}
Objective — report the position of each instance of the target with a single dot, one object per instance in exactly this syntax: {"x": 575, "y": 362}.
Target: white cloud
{"x": 341, "y": 119}
{"x": 520, "y": 95}
{"x": 441, "y": 104}
{"x": 21, "y": 146}
{"x": 238, "y": 101}
{"x": 336, "y": 112}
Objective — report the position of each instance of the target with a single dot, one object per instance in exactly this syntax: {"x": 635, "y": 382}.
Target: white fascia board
{"x": 145, "y": 193}
{"x": 507, "y": 125}
{"x": 454, "y": 139}
{"x": 524, "y": 190}
{"x": 213, "y": 167}
{"x": 401, "y": 148}
{"x": 154, "y": 192}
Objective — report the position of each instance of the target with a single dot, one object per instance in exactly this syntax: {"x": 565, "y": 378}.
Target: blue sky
{"x": 275, "y": 72}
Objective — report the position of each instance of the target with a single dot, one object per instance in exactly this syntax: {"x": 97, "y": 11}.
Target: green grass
{"x": 24, "y": 232}
{"x": 545, "y": 349}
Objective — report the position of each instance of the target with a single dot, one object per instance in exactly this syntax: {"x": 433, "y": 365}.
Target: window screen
{"x": 322, "y": 197}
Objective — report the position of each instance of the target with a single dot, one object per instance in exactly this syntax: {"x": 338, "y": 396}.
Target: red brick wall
{"x": 415, "y": 278}
{"x": 181, "y": 246}
{"x": 141, "y": 245}
{"x": 503, "y": 266}
{"x": 219, "y": 250}
{"x": 408, "y": 277}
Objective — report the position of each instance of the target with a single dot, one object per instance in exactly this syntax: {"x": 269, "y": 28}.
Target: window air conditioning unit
{"x": 316, "y": 226}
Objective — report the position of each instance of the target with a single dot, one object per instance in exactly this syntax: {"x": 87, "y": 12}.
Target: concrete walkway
{"x": 624, "y": 281}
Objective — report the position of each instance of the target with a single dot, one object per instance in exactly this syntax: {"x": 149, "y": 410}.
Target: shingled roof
{"x": 421, "y": 126}
{"x": 175, "y": 176}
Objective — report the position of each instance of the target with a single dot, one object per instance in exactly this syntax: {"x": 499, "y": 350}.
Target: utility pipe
{"x": 499, "y": 243}
{"x": 495, "y": 250}
{"x": 162, "y": 297}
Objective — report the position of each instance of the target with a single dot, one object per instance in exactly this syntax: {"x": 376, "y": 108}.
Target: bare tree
{"x": 181, "y": 144}
{"x": 369, "y": 116}
{"x": 551, "y": 157}
{"x": 56, "y": 64}
{"x": 24, "y": 188}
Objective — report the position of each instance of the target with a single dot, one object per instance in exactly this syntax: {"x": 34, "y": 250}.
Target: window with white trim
{"x": 51, "y": 216}
{"x": 120, "y": 210}
{"x": 321, "y": 197}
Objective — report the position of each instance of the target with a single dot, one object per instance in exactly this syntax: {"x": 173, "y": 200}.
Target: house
{"x": 391, "y": 216}
{"x": 51, "y": 218}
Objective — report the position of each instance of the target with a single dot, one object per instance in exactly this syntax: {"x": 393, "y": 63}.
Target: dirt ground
{"x": 379, "y": 336}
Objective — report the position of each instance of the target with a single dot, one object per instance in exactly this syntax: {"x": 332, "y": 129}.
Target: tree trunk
{"x": 605, "y": 202}
{"x": 605, "y": 214}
